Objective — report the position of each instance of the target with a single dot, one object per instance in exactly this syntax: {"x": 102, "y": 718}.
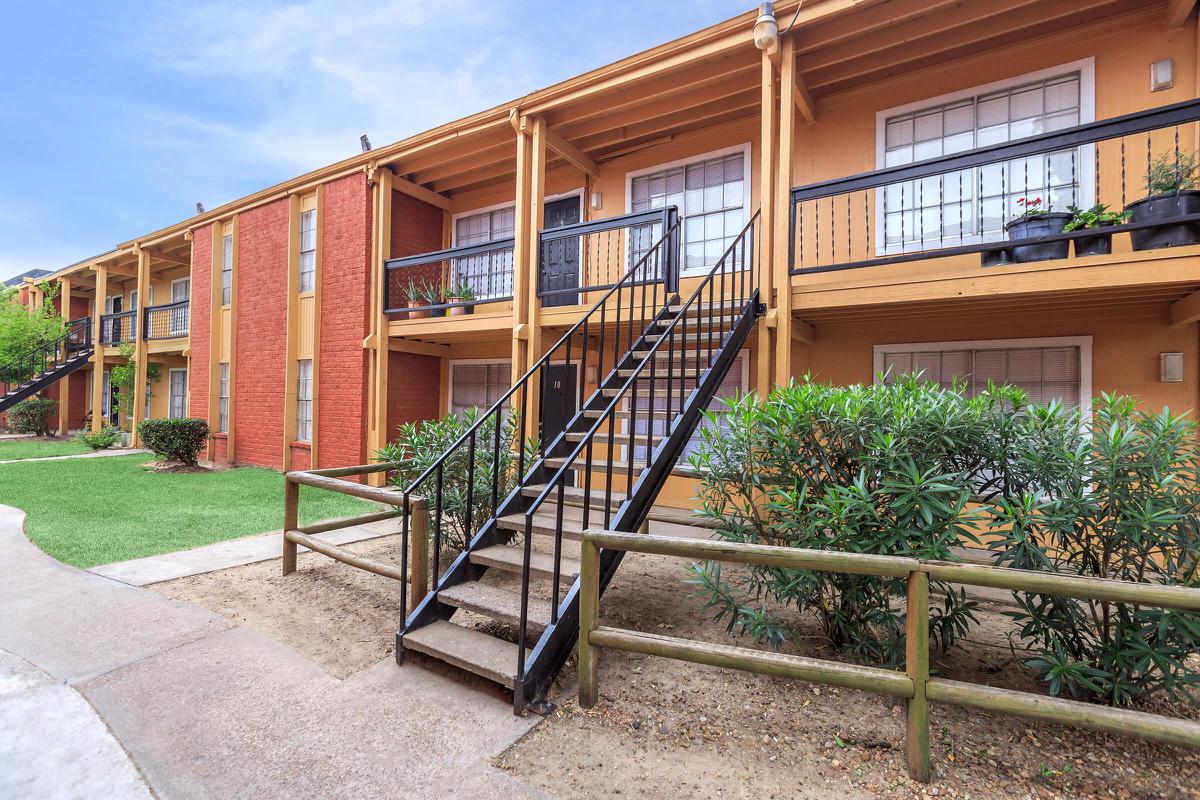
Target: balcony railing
{"x": 118, "y": 328}
{"x": 573, "y": 261}
{"x": 168, "y": 321}
{"x": 972, "y": 202}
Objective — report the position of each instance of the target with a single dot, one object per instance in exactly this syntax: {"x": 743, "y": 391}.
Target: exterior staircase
{"x": 46, "y": 365}
{"x": 506, "y": 607}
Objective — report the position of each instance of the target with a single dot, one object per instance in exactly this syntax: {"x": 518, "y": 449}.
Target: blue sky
{"x": 119, "y": 116}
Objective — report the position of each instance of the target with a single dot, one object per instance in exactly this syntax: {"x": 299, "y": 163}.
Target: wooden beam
{"x": 405, "y": 186}
{"x": 1178, "y": 11}
{"x": 804, "y": 101}
{"x": 397, "y": 345}
{"x": 1186, "y": 310}
{"x": 571, "y": 153}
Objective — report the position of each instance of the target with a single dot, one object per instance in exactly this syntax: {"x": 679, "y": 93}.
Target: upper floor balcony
{"x": 160, "y": 322}
{"x": 1111, "y": 206}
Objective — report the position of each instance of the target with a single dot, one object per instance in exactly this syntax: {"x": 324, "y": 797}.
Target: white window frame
{"x": 177, "y": 321}
{"x": 171, "y": 392}
{"x": 308, "y": 400}
{"x": 223, "y": 377}
{"x": 225, "y": 303}
{"x": 468, "y": 362}
{"x": 300, "y": 251}
{"x": 1086, "y": 67}
{"x": 1084, "y": 343}
{"x": 743, "y": 148}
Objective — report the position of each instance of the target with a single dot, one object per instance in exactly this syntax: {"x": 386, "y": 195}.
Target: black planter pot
{"x": 1038, "y": 225}
{"x": 1163, "y": 207}
{"x": 1099, "y": 244}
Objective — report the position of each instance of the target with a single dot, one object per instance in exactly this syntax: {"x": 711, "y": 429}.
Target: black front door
{"x": 558, "y": 400}
{"x": 560, "y": 257}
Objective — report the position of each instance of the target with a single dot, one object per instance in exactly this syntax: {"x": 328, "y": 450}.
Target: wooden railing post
{"x": 291, "y": 517}
{"x": 917, "y": 665}
{"x": 418, "y": 532}
{"x": 589, "y": 603}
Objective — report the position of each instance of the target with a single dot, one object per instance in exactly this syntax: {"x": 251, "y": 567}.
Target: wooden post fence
{"x": 914, "y": 684}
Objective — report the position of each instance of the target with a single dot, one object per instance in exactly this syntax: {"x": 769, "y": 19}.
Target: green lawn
{"x": 91, "y": 511}
{"x": 12, "y": 449}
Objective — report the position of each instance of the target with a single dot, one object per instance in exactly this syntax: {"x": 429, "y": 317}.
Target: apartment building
{"x": 867, "y": 148}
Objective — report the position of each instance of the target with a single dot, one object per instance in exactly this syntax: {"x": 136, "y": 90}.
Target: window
{"x": 308, "y": 250}
{"x": 972, "y": 205}
{"x": 1049, "y": 369}
{"x": 181, "y": 290}
{"x": 711, "y": 197}
{"x": 736, "y": 383}
{"x": 490, "y": 275}
{"x": 106, "y": 404}
{"x": 227, "y": 269}
{"x": 304, "y": 400}
{"x": 223, "y": 399}
{"x": 177, "y": 394}
{"x": 478, "y": 385}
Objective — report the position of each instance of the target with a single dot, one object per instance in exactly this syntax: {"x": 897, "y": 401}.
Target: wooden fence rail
{"x": 914, "y": 684}
{"x": 334, "y": 480}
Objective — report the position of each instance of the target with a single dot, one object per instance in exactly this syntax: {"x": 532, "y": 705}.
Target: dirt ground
{"x": 664, "y": 728}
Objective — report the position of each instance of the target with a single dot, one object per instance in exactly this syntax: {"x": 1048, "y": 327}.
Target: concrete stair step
{"x": 510, "y": 559}
{"x": 498, "y": 604}
{"x": 474, "y": 651}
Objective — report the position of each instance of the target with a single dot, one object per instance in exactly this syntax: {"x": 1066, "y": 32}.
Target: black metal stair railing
{"x": 20, "y": 376}
{"x": 716, "y": 318}
{"x": 616, "y": 322}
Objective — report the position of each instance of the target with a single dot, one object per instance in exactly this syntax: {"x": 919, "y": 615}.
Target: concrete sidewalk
{"x": 168, "y": 697}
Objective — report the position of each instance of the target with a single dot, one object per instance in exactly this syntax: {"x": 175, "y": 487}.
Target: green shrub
{"x": 32, "y": 415}
{"x": 418, "y": 445}
{"x": 179, "y": 439}
{"x": 99, "y": 440}
{"x": 1123, "y": 507}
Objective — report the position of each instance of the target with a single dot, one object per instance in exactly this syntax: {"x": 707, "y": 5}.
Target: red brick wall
{"x": 201, "y": 327}
{"x": 220, "y": 449}
{"x": 261, "y": 335}
{"x": 414, "y": 384}
{"x": 416, "y": 228}
{"x": 301, "y": 457}
{"x": 345, "y": 286}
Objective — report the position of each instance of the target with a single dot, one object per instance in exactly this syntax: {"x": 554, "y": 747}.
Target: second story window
{"x": 308, "y": 250}
{"x": 488, "y": 274}
{"x": 226, "y": 269}
{"x": 971, "y": 206}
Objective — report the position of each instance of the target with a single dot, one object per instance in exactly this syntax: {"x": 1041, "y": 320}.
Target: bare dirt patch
{"x": 665, "y": 728}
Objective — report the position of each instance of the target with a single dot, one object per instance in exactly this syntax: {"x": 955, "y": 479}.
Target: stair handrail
{"x": 31, "y": 359}
{"x": 557, "y": 481}
{"x": 670, "y": 241}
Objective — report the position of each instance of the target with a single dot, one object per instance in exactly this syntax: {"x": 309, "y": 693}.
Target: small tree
{"x": 32, "y": 415}
{"x": 123, "y": 378}
{"x": 22, "y": 330}
{"x": 180, "y": 439}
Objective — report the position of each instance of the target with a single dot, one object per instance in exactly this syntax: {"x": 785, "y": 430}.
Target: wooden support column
{"x": 783, "y": 185}
{"x": 521, "y": 269}
{"x": 140, "y": 356}
{"x": 537, "y": 202}
{"x": 98, "y": 348}
{"x": 64, "y": 386}
{"x": 291, "y": 331}
{"x": 381, "y": 250}
{"x": 766, "y": 189}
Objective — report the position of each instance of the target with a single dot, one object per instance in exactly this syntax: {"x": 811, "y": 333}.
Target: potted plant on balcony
{"x": 416, "y": 299}
{"x": 463, "y": 296}
{"x": 431, "y": 295}
{"x": 1035, "y": 221}
{"x": 1171, "y": 188}
{"x": 1094, "y": 218}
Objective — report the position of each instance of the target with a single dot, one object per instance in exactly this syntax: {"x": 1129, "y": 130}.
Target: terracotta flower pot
{"x": 460, "y": 310}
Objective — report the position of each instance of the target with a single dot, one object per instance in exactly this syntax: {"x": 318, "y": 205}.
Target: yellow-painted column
{"x": 140, "y": 357}
{"x": 521, "y": 263}
{"x": 64, "y": 386}
{"x": 766, "y": 177}
{"x": 537, "y": 202}
{"x": 98, "y": 348}
{"x": 783, "y": 185}
{"x": 291, "y": 331}
{"x": 381, "y": 250}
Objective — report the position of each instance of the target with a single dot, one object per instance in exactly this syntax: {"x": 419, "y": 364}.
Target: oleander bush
{"x": 32, "y": 416}
{"x": 181, "y": 439}
{"x": 911, "y": 468}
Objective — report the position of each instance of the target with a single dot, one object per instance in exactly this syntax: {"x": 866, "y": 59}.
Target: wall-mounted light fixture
{"x": 597, "y": 201}
{"x": 1162, "y": 75}
{"x": 766, "y": 29}
{"x": 1170, "y": 367}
